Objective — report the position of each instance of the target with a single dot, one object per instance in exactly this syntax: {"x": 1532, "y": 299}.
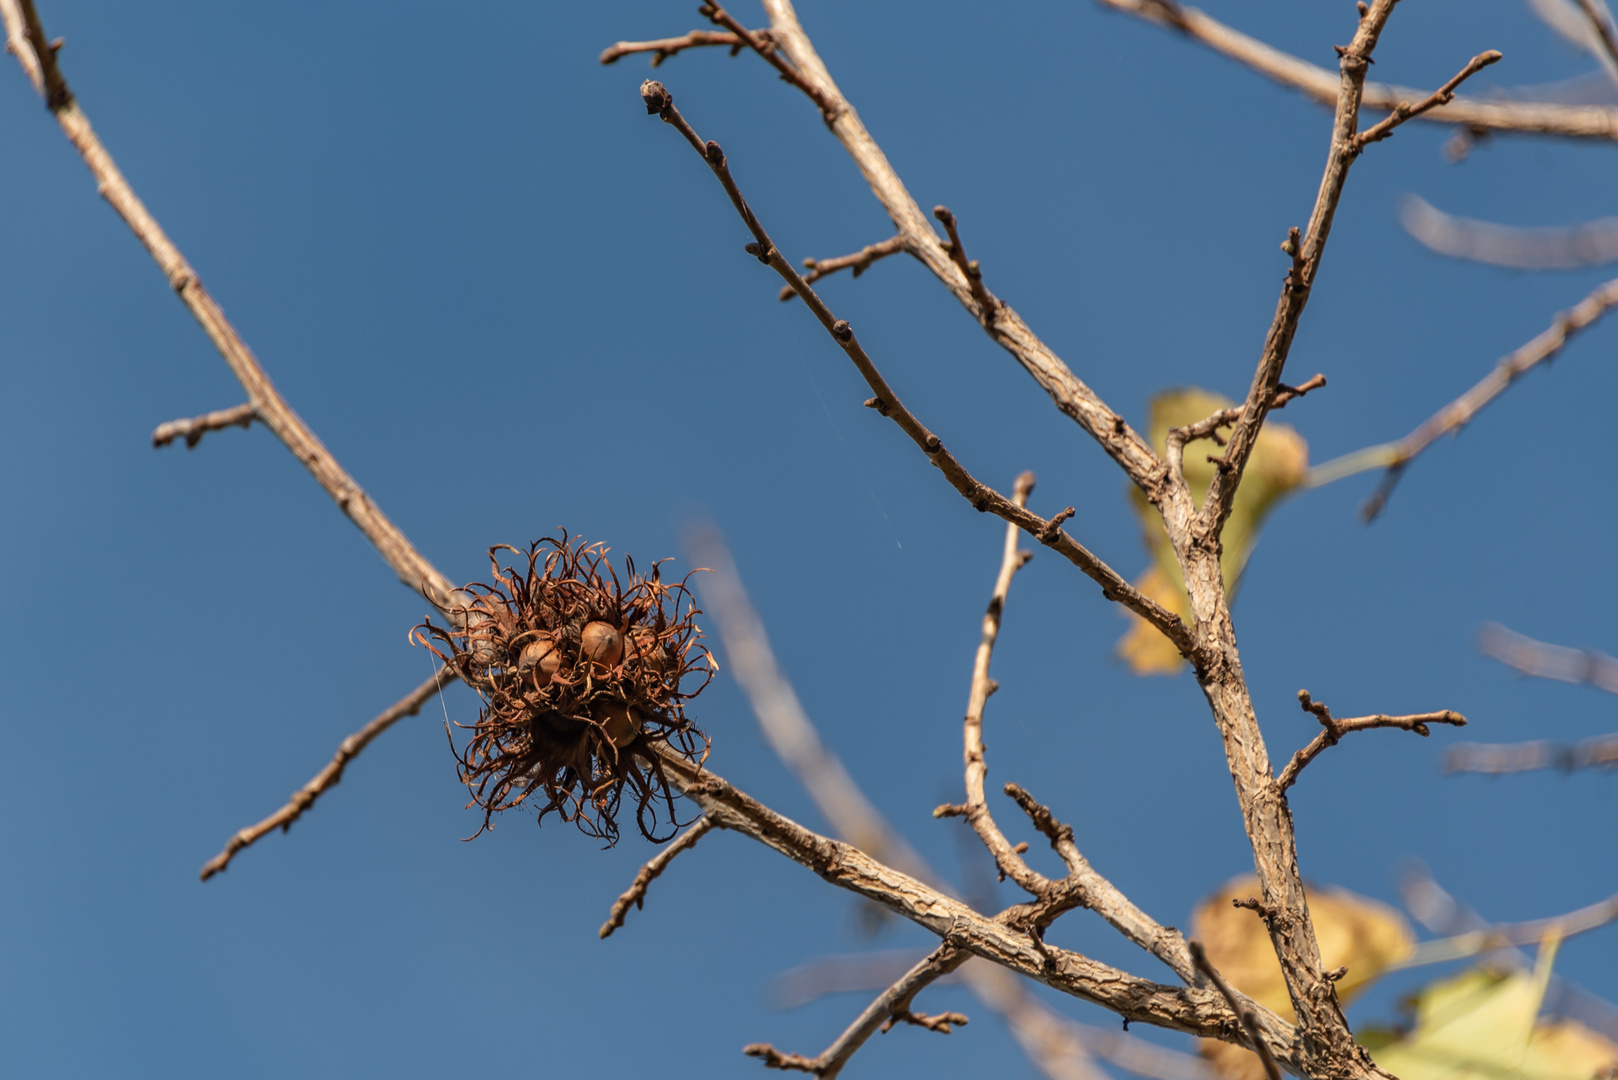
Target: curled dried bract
{"x": 581, "y": 675}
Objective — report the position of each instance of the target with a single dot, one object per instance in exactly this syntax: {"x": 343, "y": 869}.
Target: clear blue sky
{"x": 509, "y": 301}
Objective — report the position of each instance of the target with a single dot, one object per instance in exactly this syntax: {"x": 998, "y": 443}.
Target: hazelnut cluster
{"x": 583, "y": 677}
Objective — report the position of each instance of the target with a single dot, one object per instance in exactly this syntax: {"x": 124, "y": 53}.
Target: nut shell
{"x": 601, "y": 643}
{"x": 540, "y": 660}
{"x": 621, "y": 722}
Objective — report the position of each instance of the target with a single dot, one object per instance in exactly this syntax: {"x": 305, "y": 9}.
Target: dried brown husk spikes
{"x": 583, "y": 677}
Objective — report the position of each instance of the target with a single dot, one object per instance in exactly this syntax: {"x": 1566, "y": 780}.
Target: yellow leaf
{"x": 1354, "y": 931}
{"x": 1278, "y": 466}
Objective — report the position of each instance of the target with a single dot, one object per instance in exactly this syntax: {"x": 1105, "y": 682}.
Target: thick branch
{"x": 327, "y": 778}
{"x": 663, "y": 48}
{"x": 1576, "y": 121}
{"x": 1190, "y": 1009}
{"x": 893, "y": 1005}
{"x": 635, "y": 895}
{"x": 193, "y": 429}
{"x": 1333, "y": 730}
{"x": 1055, "y": 1043}
{"x": 1546, "y": 661}
{"x": 860, "y": 261}
{"x": 660, "y": 102}
{"x": 272, "y": 409}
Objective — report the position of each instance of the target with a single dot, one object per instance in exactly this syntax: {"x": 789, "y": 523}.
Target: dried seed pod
{"x": 646, "y": 650}
{"x": 583, "y": 676}
{"x": 540, "y": 660}
{"x": 621, "y": 722}
{"x": 601, "y": 643}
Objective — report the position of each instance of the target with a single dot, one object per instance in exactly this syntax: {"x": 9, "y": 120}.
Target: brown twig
{"x": 1333, "y": 731}
{"x": 663, "y": 48}
{"x": 763, "y": 43}
{"x": 1309, "y": 250}
{"x": 974, "y": 273}
{"x": 1248, "y": 1018}
{"x": 983, "y": 498}
{"x": 192, "y": 430}
{"x": 1321, "y": 85}
{"x": 1395, "y": 457}
{"x": 860, "y": 261}
{"x": 1006, "y": 327}
{"x": 1508, "y": 935}
{"x": 1547, "y": 661}
{"x": 1191, "y": 1009}
{"x": 328, "y": 778}
{"x": 1404, "y": 111}
{"x": 1055, "y": 1043}
{"x": 1285, "y": 393}
{"x": 892, "y": 1006}
{"x": 272, "y": 409}
{"x": 635, "y": 895}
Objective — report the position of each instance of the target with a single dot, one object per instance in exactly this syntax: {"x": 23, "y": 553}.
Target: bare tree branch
{"x": 25, "y": 34}
{"x": 1549, "y": 661}
{"x": 1499, "y": 759}
{"x": 1504, "y": 935}
{"x": 635, "y": 895}
{"x": 1055, "y": 1043}
{"x": 1249, "y": 1019}
{"x": 1333, "y": 731}
{"x": 1590, "y": 243}
{"x": 1583, "y": 122}
{"x": 192, "y": 430}
{"x": 1404, "y": 111}
{"x": 1190, "y": 1009}
{"x": 328, "y": 778}
{"x": 1602, "y": 25}
{"x": 663, "y": 48}
{"x": 893, "y": 1005}
{"x": 860, "y": 261}
{"x": 983, "y": 498}
{"x": 1396, "y": 456}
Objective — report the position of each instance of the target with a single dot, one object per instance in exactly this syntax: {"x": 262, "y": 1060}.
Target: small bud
{"x": 715, "y": 154}
{"x": 842, "y": 331}
{"x": 656, "y": 96}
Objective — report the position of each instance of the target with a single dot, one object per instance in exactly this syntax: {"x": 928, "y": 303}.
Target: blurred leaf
{"x": 1278, "y": 466}
{"x": 1481, "y": 1025}
{"x": 1354, "y": 931}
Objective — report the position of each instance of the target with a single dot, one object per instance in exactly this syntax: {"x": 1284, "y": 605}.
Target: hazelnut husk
{"x": 583, "y": 677}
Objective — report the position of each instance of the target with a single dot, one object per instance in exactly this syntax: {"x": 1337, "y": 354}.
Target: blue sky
{"x": 509, "y": 301}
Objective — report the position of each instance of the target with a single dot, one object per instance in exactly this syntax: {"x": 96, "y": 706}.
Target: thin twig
{"x": 860, "y": 261}
{"x": 1249, "y": 1020}
{"x": 327, "y": 778}
{"x": 1544, "y": 118}
{"x": 192, "y": 430}
{"x": 272, "y": 409}
{"x": 983, "y": 498}
{"x": 635, "y": 895}
{"x": 761, "y": 42}
{"x": 1395, "y": 457}
{"x": 1006, "y": 327}
{"x": 1546, "y": 661}
{"x": 663, "y": 48}
{"x": 1500, "y": 759}
{"x": 987, "y": 303}
{"x": 1505, "y": 935}
{"x": 1191, "y": 1009}
{"x": 1603, "y": 28}
{"x": 1055, "y": 1043}
{"x": 890, "y": 1007}
{"x": 1306, "y": 257}
{"x": 1404, "y": 111}
{"x": 1333, "y": 731}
